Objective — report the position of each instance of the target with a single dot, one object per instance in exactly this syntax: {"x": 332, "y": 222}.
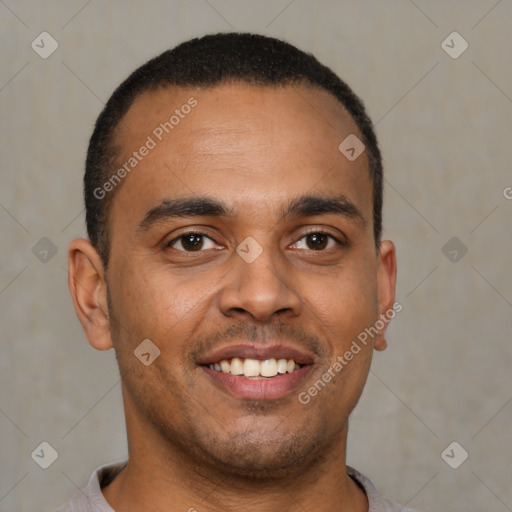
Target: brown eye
{"x": 191, "y": 242}
{"x": 317, "y": 241}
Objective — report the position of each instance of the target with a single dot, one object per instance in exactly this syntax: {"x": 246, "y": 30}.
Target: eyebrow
{"x": 304, "y": 206}
{"x": 308, "y": 206}
{"x": 185, "y": 207}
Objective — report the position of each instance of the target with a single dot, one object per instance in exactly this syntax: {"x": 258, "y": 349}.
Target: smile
{"x": 254, "y": 368}
{"x": 257, "y": 372}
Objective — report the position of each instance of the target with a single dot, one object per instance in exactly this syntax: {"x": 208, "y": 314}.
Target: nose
{"x": 260, "y": 289}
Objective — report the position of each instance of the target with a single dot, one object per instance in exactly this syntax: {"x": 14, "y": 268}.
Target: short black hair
{"x": 209, "y": 61}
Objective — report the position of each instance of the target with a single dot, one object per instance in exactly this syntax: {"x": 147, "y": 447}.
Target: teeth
{"x": 251, "y": 367}
{"x": 237, "y": 367}
{"x": 282, "y": 366}
{"x": 255, "y": 367}
{"x": 268, "y": 368}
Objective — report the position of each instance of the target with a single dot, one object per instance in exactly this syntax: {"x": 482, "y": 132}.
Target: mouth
{"x": 257, "y": 373}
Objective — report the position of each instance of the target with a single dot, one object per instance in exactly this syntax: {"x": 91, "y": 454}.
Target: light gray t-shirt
{"x": 91, "y": 499}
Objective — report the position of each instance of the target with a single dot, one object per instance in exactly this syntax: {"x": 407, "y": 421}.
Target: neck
{"x": 161, "y": 477}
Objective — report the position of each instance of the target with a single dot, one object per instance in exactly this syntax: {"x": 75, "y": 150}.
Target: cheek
{"x": 346, "y": 306}
{"x": 345, "y": 317}
{"x": 150, "y": 296}
{"x": 154, "y": 305}
{"x": 149, "y": 306}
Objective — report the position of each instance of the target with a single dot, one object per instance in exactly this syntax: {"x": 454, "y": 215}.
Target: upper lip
{"x": 252, "y": 351}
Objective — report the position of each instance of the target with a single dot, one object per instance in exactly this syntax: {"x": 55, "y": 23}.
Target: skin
{"x": 191, "y": 444}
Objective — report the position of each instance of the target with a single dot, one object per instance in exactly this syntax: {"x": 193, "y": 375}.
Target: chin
{"x": 261, "y": 459}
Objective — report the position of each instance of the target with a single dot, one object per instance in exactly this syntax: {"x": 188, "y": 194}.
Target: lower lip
{"x": 259, "y": 389}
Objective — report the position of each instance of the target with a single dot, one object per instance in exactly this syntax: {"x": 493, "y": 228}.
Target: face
{"x": 244, "y": 235}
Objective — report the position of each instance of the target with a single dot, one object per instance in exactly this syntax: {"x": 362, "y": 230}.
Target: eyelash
{"x": 304, "y": 235}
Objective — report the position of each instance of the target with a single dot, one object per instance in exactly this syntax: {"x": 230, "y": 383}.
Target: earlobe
{"x": 386, "y": 282}
{"x": 86, "y": 280}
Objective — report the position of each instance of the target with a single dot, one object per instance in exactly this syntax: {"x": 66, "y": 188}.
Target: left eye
{"x": 317, "y": 241}
{"x": 191, "y": 242}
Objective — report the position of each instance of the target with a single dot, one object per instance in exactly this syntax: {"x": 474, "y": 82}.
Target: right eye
{"x": 191, "y": 241}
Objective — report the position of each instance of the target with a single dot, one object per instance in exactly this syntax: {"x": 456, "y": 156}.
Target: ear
{"x": 88, "y": 288}
{"x": 386, "y": 284}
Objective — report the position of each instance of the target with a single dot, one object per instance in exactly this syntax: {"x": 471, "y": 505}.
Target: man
{"x": 233, "y": 190}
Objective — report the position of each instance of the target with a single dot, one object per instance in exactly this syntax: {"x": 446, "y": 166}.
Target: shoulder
{"x": 90, "y": 498}
{"x": 377, "y": 503}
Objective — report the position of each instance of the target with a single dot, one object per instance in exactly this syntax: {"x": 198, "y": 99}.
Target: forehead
{"x": 235, "y": 107}
{"x": 252, "y": 144}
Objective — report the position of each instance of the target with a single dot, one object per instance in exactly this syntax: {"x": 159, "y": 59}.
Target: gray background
{"x": 444, "y": 125}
